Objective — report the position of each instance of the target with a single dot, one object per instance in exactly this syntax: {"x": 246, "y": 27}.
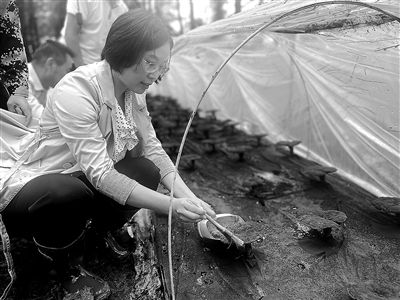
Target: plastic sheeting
{"x": 327, "y": 75}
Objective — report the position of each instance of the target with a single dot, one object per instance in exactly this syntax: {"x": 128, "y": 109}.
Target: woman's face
{"x": 154, "y": 63}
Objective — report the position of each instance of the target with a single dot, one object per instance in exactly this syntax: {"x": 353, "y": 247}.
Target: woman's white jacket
{"x": 76, "y": 134}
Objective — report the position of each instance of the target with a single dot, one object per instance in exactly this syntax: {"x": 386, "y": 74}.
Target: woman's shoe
{"x": 66, "y": 263}
{"x": 119, "y": 248}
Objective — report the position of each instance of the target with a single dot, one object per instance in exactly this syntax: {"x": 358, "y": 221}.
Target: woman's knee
{"x": 63, "y": 190}
{"x": 61, "y": 198}
{"x": 140, "y": 169}
{"x": 150, "y": 169}
{"x": 53, "y": 207}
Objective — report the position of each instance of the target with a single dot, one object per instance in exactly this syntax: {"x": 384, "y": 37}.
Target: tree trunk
{"x": 29, "y": 28}
{"x": 217, "y": 9}
{"x": 192, "y": 21}
{"x": 178, "y": 8}
{"x": 238, "y": 6}
{"x": 158, "y": 8}
{"x": 148, "y": 4}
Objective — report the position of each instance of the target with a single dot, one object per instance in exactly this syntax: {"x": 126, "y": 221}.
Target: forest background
{"x": 44, "y": 19}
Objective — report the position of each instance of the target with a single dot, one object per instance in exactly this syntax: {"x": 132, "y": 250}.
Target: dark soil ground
{"x": 263, "y": 184}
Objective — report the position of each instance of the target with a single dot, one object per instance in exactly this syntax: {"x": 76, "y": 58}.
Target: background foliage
{"x": 44, "y": 19}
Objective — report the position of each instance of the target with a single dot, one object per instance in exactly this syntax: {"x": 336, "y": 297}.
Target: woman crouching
{"x": 96, "y": 156}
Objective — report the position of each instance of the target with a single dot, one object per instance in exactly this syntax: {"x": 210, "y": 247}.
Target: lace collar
{"x": 124, "y": 128}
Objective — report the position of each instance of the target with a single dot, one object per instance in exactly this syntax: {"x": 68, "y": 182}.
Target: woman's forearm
{"x": 187, "y": 209}
{"x": 143, "y": 197}
{"x": 180, "y": 187}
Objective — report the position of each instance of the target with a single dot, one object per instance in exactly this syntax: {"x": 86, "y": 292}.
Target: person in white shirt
{"x": 50, "y": 62}
{"x": 86, "y": 26}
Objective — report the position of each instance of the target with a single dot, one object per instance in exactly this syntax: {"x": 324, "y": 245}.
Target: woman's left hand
{"x": 207, "y": 207}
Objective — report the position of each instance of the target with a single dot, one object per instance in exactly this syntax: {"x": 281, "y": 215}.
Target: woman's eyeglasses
{"x": 150, "y": 67}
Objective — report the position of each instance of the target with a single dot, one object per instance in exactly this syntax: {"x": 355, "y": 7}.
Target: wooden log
{"x": 167, "y": 124}
{"x": 373, "y": 290}
{"x": 148, "y": 282}
{"x": 207, "y": 128}
{"x": 191, "y": 159}
{"x": 171, "y": 147}
{"x": 213, "y": 143}
{"x": 388, "y": 205}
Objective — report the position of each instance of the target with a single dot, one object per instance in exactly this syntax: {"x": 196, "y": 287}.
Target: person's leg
{"x": 54, "y": 209}
{"x": 109, "y": 214}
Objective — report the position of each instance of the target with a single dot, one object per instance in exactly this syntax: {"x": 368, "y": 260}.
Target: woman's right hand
{"x": 19, "y": 105}
{"x": 187, "y": 210}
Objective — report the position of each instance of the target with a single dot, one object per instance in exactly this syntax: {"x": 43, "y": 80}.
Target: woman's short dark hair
{"x": 131, "y": 35}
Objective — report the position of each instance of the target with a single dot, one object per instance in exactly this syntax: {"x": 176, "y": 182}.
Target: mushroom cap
{"x": 333, "y": 215}
{"x": 307, "y": 222}
{"x": 288, "y": 143}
